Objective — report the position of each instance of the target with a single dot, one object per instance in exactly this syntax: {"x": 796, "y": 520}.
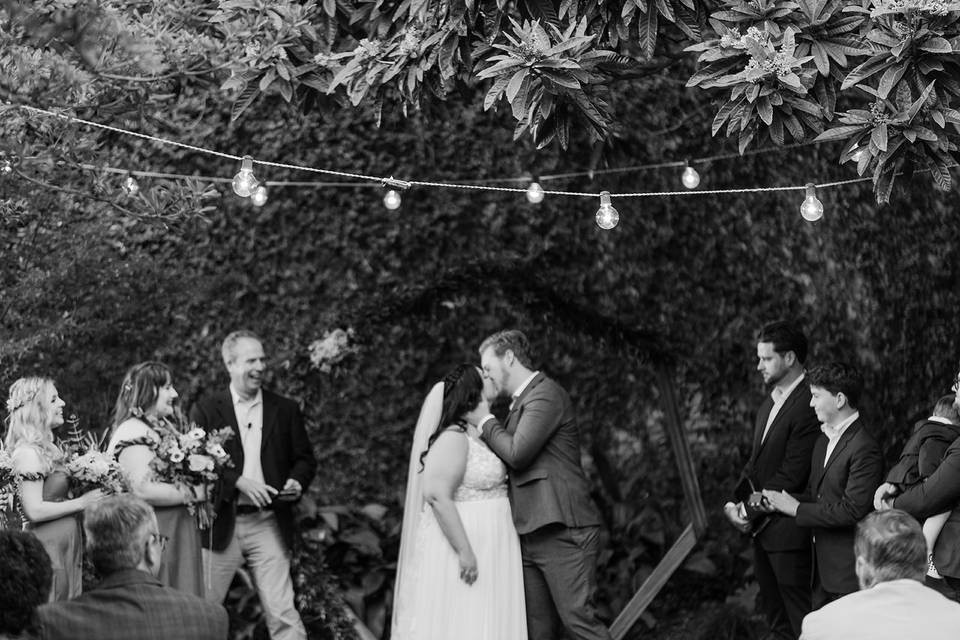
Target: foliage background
{"x": 93, "y": 283}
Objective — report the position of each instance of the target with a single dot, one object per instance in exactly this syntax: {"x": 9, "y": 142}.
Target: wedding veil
{"x": 413, "y": 504}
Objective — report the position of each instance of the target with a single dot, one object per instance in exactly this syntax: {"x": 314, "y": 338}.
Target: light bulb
{"x": 245, "y": 182}
{"x": 130, "y": 186}
{"x": 392, "y": 199}
{"x": 690, "y": 178}
{"x": 812, "y": 208}
{"x": 259, "y": 196}
{"x": 535, "y": 193}
{"x": 607, "y": 216}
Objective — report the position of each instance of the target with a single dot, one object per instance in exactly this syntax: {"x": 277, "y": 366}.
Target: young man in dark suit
{"x": 126, "y": 548}
{"x": 273, "y": 463}
{"x": 846, "y": 469}
{"x": 784, "y": 433}
{"x": 558, "y": 523}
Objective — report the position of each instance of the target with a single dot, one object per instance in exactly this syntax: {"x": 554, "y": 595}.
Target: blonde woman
{"x": 34, "y": 409}
{"x": 146, "y": 407}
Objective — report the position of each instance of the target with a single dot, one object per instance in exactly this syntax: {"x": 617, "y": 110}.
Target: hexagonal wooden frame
{"x": 691, "y": 492}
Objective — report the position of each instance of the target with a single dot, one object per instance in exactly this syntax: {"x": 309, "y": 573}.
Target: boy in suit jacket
{"x": 783, "y": 437}
{"x": 549, "y": 494}
{"x": 846, "y": 469}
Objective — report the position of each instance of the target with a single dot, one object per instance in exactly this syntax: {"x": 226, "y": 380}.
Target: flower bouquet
{"x": 191, "y": 459}
{"x": 95, "y": 470}
{"x": 86, "y": 464}
{"x": 8, "y": 486}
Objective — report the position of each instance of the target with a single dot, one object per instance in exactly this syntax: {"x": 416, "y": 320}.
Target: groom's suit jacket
{"x": 540, "y": 443}
{"x": 285, "y": 452}
{"x": 781, "y": 462}
{"x": 838, "y": 495}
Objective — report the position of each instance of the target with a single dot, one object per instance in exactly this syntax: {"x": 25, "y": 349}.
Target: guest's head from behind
{"x": 34, "y": 409}
{"x": 889, "y": 546}
{"x": 122, "y": 534}
{"x": 27, "y": 576}
{"x": 505, "y": 359}
{"x": 781, "y": 349}
{"x": 463, "y": 400}
{"x": 946, "y": 408}
{"x": 835, "y": 390}
{"x": 146, "y": 393}
{"x": 245, "y": 361}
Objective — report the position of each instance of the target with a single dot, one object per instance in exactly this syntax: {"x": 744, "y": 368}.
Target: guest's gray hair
{"x": 117, "y": 529}
{"x": 509, "y": 340}
{"x": 892, "y": 545}
{"x": 228, "y": 350}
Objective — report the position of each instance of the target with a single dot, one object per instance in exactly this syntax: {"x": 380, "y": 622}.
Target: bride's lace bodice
{"x": 485, "y": 476}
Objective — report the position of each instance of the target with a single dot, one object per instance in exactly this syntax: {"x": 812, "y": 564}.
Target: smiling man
{"x": 846, "y": 469}
{"x": 273, "y": 464}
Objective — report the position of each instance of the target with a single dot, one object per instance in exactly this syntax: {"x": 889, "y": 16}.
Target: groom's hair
{"x": 785, "y": 336}
{"x": 509, "y": 340}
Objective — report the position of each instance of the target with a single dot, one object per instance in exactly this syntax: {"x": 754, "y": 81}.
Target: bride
{"x": 459, "y": 574}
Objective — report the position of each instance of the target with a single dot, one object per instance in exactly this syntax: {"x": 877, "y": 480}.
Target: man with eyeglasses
{"x": 126, "y": 549}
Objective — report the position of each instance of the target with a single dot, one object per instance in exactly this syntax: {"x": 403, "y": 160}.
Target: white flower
{"x": 176, "y": 456}
{"x": 199, "y": 462}
{"x": 196, "y": 434}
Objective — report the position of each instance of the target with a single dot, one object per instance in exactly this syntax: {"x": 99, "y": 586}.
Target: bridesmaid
{"x": 145, "y": 409}
{"x": 35, "y": 409}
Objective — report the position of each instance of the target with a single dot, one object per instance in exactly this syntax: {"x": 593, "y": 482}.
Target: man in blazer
{"x": 784, "y": 433}
{"x": 549, "y": 493}
{"x": 273, "y": 463}
{"x": 126, "y": 548}
{"x": 846, "y": 469}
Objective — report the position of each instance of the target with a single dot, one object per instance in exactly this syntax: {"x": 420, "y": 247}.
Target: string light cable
{"x": 249, "y": 183}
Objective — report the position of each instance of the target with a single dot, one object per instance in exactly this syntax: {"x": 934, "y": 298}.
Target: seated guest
{"x": 846, "y": 469}
{"x": 893, "y": 603}
{"x": 27, "y": 576}
{"x": 126, "y": 547}
{"x": 920, "y": 458}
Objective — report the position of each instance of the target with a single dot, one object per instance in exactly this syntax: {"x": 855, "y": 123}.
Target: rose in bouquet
{"x": 95, "y": 470}
{"x": 194, "y": 458}
{"x": 8, "y": 486}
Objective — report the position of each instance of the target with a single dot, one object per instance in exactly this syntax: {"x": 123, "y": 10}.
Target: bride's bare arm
{"x": 442, "y": 474}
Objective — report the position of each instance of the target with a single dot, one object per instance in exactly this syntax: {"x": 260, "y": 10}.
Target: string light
{"x": 130, "y": 186}
{"x": 244, "y": 183}
{"x": 607, "y": 216}
{"x": 690, "y": 177}
{"x": 392, "y": 200}
{"x": 259, "y": 196}
{"x": 534, "y": 193}
{"x": 812, "y": 208}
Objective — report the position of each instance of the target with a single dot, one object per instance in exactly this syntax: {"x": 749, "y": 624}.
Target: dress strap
{"x": 133, "y": 442}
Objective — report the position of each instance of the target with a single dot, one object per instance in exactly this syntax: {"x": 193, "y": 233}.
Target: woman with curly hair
{"x": 34, "y": 409}
{"x": 145, "y": 409}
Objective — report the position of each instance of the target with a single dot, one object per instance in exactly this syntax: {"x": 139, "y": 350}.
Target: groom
{"x": 559, "y": 525}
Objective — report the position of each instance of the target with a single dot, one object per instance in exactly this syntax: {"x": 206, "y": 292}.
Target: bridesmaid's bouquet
{"x": 87, "y": 465}
{"x": 95, "y": 470}
{"x": 8, "y": 486}
{"x": 193, "y": 458}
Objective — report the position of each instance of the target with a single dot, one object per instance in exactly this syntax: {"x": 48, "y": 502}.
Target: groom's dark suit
{"x": 285, "y": 452}
{"x": 554, "y": 515}
{"x": 781, "y": 549}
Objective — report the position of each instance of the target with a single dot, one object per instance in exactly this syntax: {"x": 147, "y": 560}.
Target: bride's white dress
{"x": 441, "y": 606}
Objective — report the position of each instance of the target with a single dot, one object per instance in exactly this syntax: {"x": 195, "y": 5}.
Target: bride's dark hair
{"x": 462, "y": 388}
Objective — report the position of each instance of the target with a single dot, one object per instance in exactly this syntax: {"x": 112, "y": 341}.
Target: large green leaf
{"x": 863, "y": 71}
